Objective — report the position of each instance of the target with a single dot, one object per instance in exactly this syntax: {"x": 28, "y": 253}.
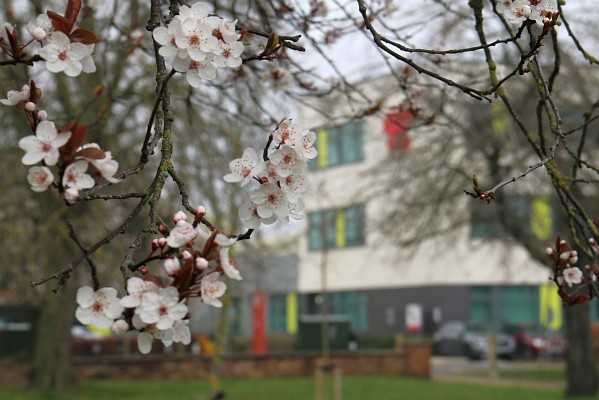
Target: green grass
{"x": 354, "y": 388}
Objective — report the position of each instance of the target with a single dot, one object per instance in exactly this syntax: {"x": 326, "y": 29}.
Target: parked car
{"x": 534, "y": 340}
{"x": 471, "y": 340}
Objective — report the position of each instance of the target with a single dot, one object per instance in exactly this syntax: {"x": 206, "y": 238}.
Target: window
{"x": 277, "y": 313}
{"x": 337, "y": 228}
{"x": 339, "y": 145}
{"x": 486, "y": 222}
{"x": 352, "y": 304}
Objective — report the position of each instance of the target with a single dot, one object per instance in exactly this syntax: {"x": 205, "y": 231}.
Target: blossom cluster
{"x": 65, "y": 47}
{"x": 62, "y": 148}
{"x": 193, "y": 260}
{"x": 199, "y": 43}
{"x": 543, "y": 12}
{"x": 575, "y": 285}
{"x": 280, "y": 174}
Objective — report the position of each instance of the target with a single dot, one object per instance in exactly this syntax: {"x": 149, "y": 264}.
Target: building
{"x": 383, "y": 288}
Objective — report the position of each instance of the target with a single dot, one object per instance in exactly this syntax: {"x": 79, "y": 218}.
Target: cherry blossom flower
{"x": 544, "y": 9}
{"x": 63, "y": 56}
{"x": 225, "y": 31}
{"x": 294, "y": 185}
{"x": 211, "y": 289}
{"x": 14, "y": 97}
{"x": 285, "y": 160}
{"x": 161, "y": 308}
{"x": 271, "y": 200}
{"x": 40, "y": 178}
{"x": 106, "y": 166}
{"x": 229, "y": 54}
{"x": 195, "y": 71}
{"x": 224, "y": 243}
{"x": 197, "y": 11}
{"x": 196, "y": 37}
{"x": 516, "y": 11}
{"x": 165, "y": 37}
{"x": 572, "y": 276}
{"x": 181, "y": 332}
{"x": 75, "y": 176}
{"x": 248, "y": 213}
{"x": 286, "y": 133}
{"x": 307, "y": 148}
{"x": 44, "y": 144}
{"x": 150, "y": 332}
{"x": 137, "y": 287}
{"x": 99, "y": 308}
{"x": 245, "y": 168}
{"x": 182, "y": 233}
{"x": 41, "y": 29}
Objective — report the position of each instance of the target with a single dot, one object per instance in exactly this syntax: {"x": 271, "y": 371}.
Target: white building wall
{"x": 454, "y": 259}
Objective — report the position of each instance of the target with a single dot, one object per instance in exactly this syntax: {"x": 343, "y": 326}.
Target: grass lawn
{"x": 354, "y": 388}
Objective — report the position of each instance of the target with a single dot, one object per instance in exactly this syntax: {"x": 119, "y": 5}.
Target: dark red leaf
{"x": 92, "y": 152}
{"x": 84, "y": 36}
{"x": 60, "y": 23}
{"x": 72, "y": 12}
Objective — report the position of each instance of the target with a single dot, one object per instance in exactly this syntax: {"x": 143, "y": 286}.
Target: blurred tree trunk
{"x": 52, "y": 358}
{"x": 581, "y": 372}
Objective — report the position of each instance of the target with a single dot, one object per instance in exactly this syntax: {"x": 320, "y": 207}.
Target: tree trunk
{"x": 52, "y": 356}
{"x": 581, "y": 372}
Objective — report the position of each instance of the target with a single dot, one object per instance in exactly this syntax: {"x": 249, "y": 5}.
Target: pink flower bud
{"x": 143, "y": 269}
{"x": 155, "y": 244}
{"x": 549, "y": 251}
{"x": 185, "y": 254}
{"x": 172, "y": 266}
{"x": 200, "y": 211}
{"x": 30, "y": 106}
{"x": 565, "y": 255}
{"x": 588, "y": 268}
{"x": 162, "y": 228}
{"x": 179, "y": 216}
{"x": 162, "y": 242}
{"x": 573, "y": 260}
{"x": 120, "y": 326}
{"x": 592, "y": 241}
{"x": 42, "y": 115}
{"x": 201, "y": 263}
{"x": 38, "y": 33}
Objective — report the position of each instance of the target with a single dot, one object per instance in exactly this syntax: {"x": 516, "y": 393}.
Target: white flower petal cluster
{"x": 14, "y": 97}
{"x": 212, "y": 289}
{"x": 158, "y": 313}
{"x": 199, "y": 44}
{"x": 62, "y": 55}
{"x": 282, "y": 177}
{"x": 44, "y": 144}
{"x": 518, "y": 11}
{"x": 99, "y": 308}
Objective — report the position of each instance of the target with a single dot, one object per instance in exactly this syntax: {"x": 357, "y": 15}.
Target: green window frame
{"x": 342, "y": 227}
{"x": 277, "y": 313}
{"x": 339, "y": 145}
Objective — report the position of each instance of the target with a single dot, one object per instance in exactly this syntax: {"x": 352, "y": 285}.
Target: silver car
{"x": 471, "y": 340}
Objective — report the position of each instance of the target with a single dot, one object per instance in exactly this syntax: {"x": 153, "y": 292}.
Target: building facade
{"x": 384, "y": 288}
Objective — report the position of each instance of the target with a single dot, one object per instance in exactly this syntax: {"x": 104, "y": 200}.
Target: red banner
{"x": 259, "y": 323}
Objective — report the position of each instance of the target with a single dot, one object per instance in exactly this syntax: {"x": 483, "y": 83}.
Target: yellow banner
{"x": 292, "y": 316}
{"x": 550, "y": 307}
{"x": 321, "y": 143}
{"x": 340, "y": 228}
{"x": 541, "y": 218}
